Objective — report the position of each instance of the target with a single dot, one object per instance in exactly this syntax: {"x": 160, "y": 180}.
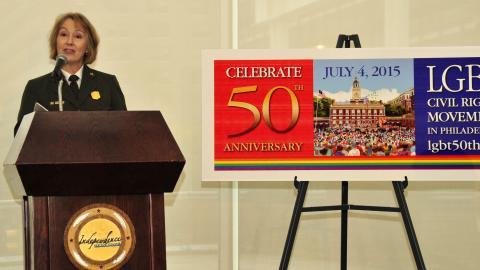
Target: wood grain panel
{"x": 53, "y": 213}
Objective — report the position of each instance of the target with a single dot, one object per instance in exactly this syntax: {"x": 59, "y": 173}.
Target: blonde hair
{"x": 92, "y": 36}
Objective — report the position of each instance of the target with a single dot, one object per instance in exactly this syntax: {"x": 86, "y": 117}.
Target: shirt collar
{"x": 78, "y": 73}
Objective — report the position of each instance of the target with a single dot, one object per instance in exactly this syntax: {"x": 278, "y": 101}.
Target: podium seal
{"x": 99, "y": 237}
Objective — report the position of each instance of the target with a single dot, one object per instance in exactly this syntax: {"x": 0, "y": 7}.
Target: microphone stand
{"x": 60, "y": 99}
{"x": 58, "y": 76}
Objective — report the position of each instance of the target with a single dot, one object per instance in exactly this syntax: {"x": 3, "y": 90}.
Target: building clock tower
{"x": 356, "y": 92}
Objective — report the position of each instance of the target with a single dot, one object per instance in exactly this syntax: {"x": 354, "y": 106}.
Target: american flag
{"x": 321, "y": 94}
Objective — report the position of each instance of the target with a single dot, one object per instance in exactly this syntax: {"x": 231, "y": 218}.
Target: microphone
{"x": 60, "y": 61}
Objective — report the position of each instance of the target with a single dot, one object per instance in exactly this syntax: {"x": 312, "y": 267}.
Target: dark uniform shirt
{"x": 98, "y": 92}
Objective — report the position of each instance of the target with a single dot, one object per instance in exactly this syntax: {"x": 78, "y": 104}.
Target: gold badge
{"x": 99, "y": 236}
{"x": 95, "y": 95}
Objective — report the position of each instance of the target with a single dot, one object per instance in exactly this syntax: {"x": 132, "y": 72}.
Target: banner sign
{"x": 342, "y": 114}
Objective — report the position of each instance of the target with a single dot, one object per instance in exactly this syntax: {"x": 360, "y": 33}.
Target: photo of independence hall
{"x": 364, "y": 127}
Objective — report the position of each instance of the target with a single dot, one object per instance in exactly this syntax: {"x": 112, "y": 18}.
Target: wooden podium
{"x": 67, "y": 161}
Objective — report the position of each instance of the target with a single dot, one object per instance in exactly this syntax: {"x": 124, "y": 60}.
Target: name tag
{"x": 56, "y": 102}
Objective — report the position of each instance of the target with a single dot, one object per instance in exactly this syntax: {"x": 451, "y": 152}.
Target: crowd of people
{"x": 347, "y": 141}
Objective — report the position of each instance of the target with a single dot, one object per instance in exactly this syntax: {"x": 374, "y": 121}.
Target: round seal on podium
{"x": 99, "y": 237}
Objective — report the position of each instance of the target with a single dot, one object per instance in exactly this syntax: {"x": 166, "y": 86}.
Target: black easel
{"x": 398, "y": 186}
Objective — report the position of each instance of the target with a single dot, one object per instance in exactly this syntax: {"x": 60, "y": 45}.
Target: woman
{"x": 84, "y": 89}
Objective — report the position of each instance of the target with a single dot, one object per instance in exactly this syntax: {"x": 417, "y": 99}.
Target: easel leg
{"x": 292, "y": 230}
{"x": 344, "y": 224}
{"x": 407, "y": 220}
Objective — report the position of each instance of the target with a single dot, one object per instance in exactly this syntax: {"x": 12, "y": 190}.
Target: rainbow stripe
{"x": 353, "y": 163}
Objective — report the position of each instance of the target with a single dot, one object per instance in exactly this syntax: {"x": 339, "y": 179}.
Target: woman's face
{"x": 72, "y": 41}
